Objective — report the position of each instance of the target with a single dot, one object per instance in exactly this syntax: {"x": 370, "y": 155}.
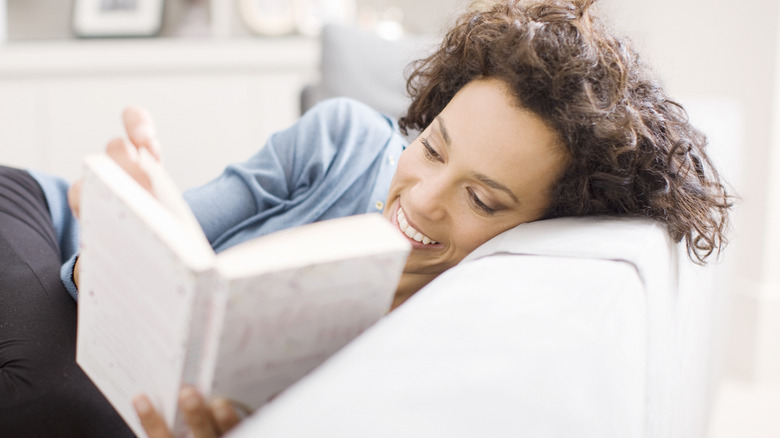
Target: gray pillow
{"x": 366, "y": 67}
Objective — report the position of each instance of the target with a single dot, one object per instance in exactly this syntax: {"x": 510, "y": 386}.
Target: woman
{"x": 526, "y": 111}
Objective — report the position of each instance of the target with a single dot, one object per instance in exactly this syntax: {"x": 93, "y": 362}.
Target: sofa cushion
{"x": 359, "y": 64}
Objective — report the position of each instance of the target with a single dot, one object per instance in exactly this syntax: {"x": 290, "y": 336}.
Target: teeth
{"x": 410, "y": 232}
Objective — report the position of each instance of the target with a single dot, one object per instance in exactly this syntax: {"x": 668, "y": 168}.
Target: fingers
{"x": 151, "y": 420}
{"x": 74, "y": 198}
{"x": 121, "y": 151}
{"x": 197, "y": 414}
{"x": 141, "y": 130}
{"x": 225, "y": 415}
{"x": 203, "y": 420}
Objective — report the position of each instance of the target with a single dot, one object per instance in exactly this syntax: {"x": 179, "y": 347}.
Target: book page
{"x": 136, "y": 292}
{"x": 279, "y": 325}
{"x": 319, "y": 242}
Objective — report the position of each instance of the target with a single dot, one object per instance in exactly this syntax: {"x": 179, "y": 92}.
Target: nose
{"x": 429, "y": 198}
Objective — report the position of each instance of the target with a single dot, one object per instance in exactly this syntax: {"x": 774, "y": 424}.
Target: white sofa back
{"x": 587, "y": 327}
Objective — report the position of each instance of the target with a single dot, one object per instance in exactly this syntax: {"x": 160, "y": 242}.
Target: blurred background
{"x": 221, "y": 75}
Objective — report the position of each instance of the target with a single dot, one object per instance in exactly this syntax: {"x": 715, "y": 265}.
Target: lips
{"x": 410, "y": 231}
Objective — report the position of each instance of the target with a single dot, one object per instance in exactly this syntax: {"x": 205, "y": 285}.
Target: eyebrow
{"x": 495, "y": 185}
{"x": 443, "y": 130}
{"x": 484, "y": 179}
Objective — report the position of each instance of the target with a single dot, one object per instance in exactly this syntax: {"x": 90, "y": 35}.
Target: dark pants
{"x": 43, "y": 393}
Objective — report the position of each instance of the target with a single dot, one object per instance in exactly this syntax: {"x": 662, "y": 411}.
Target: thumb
{"x": 141, "y": 130}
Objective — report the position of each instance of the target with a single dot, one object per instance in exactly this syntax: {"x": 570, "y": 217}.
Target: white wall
{"x": 718, "y": 50}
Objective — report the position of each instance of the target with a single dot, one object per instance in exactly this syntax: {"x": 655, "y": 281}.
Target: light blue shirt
{"x": 337, "y": 160}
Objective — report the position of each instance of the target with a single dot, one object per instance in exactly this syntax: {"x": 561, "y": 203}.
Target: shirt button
{"x": 379, "y": 205}
{"x": 391, "y": 160}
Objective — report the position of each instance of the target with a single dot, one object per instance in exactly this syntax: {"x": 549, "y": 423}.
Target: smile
{"x": 410, "y": 232}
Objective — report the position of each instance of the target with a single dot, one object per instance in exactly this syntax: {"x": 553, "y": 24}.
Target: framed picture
{"x": 117, "y": 18}
{"x": 268, "y": 17}
{"x": 312, "y": 15}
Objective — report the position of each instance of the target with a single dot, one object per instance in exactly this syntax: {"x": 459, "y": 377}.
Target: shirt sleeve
{"x": 66, "y": 275}
{"x": 65, "y": 224}
{"x": 332, "y": 138}
{"x": 339, "y": 137}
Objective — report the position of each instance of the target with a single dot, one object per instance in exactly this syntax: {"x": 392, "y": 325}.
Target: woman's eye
{"x": 479, "y": 204}
{"x": 430, "y": 152}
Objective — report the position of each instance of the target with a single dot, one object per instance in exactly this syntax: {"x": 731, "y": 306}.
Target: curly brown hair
{"x": 632, "y": 151}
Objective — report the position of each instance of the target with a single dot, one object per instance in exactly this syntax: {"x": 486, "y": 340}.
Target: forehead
{"x": 495, "y": 136}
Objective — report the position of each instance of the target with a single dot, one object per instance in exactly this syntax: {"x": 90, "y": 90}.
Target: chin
{"x": 419, "y": 262}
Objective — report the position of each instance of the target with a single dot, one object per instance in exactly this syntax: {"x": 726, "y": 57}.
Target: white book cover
{"x": 158, "y": 309}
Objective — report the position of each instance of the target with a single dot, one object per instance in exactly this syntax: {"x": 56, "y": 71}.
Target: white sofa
{"x": 579, "y": 327}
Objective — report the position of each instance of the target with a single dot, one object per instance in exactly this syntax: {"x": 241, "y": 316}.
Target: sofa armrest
{"x": 560, "y": 354}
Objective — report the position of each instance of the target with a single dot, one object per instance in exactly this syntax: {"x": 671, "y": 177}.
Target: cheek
{"x": 469, "y": 233}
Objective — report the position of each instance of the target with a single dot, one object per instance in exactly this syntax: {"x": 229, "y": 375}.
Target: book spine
{"x": 212, "y": 333}
{"x": 202, "y": 317}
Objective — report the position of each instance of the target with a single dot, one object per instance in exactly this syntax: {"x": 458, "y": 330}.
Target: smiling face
{"x": 483, "y": 166}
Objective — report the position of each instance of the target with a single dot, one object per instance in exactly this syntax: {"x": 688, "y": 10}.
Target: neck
{"x": 408, "y": 286}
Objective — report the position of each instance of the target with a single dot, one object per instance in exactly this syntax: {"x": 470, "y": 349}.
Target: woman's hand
{"x": 141, "y": 134}
{"x": 205, "y": 420}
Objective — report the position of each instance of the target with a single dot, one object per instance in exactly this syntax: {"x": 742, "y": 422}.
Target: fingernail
{"x": 155, "y": 147}
{"x": 144, "y": 131}
{"x": 142, "y": 405}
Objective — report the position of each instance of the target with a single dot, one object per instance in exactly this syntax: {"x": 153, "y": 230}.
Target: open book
{"x": 158, "y": 309}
